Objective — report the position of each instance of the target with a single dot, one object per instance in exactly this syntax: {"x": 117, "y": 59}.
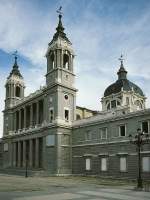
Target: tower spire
{"x": 60, "y": 29}
{"x": 15, "y": 69}
{"x": 122, "y": 73}
{"x": 15, "y": 66}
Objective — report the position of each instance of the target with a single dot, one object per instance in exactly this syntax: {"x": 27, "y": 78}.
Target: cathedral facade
{"x": 48, "y": 133}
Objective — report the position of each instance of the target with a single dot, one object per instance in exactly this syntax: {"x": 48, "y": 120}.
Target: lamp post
{"x": 139, "y": 140}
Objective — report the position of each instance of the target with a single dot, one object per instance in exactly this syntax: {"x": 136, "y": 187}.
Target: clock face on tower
{"x": 66, "y": 97}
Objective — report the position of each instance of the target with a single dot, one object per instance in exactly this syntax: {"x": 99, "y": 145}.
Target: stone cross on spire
{"x": 15, "y": 54}
{"x": 60, "y": 10}
{"x": 121, "y": 59}
{"x": 60, "y": 29}
{"x": 122, "y": 72}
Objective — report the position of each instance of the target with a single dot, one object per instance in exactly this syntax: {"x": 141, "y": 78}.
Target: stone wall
{"x": 87, "y": 143}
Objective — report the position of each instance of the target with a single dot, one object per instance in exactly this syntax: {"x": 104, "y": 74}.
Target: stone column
{"x": 71, "y": 62}
{"x": 24, "y": 153}
{"x": 14, "y": 154}
{"x": 61, "y": 58}
{"x": 24, "y": 117}
{"x": 13, "y": 90}
{"x": 20, "y": 119}
{"x": 37, "y": 113}
{"x": 44, "y": 109}
{"x": 55, "y": 59}
{"x": 31, "y": 115}
{"x": 15, "y": 121}
{"x": 37, "y": 152}
{"x": 31, "y": 153}
{"x": 19, "y": 154}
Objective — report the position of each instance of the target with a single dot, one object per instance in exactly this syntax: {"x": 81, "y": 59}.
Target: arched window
{"x": 18, "y": 91}
{"x": 66, "y": 61}
{"x": 78, "y": 117}
{"x": 138, "y": 104}
{"x": 7, "y": 91}
{"x": 52, "y": 60}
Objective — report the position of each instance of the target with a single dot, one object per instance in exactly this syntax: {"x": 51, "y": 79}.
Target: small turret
{"x": 14, "y": 85}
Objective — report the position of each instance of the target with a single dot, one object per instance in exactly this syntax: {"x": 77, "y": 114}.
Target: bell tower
{"x": 60, "y": 76}
{"x": 60, "y": 57}
{"x": 14, "y": 93}
{"x": 14, "y": 86}
{"x": 61, "y": 97}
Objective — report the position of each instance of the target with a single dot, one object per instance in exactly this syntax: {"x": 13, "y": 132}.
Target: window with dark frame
{"x": 51, "y": 115}
{"x": 18, "y": 91}
{"x": 122, "y": 130}
{"x": 145, "y": 127}
{"x": 66, "y": 114}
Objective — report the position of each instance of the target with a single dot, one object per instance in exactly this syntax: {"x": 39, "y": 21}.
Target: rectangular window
{"x": 146, "y": 164}
{"x": 66, "y": 114}
{"x": 88, "y": 164}
{"x": 103, "y": 133}
{"x": 88, "y": 136}
{"x": 103, "y": 164}
{"x": 123, "y": 164}
{"x": 122, "y": 130}
{"x": 51, "y": 114}
{"x": 145, "y": 128}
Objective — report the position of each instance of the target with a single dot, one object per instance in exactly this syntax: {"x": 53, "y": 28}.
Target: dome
{"x": 122, "y": 83}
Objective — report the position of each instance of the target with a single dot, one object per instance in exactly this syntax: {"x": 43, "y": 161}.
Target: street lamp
{"x": 139, "y": 140}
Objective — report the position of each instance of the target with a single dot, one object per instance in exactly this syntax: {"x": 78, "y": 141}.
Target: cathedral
{"x": 48, "y": 134}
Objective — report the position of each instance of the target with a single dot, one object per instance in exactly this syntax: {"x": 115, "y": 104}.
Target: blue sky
{"x": 100, "y": 31}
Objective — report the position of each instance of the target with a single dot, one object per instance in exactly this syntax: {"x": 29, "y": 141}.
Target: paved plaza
{"x": 68, "y": 188}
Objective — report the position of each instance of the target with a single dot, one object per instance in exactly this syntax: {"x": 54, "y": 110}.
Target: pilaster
{"x": 19, "y": 154}
{"x": 31, "y": 153}
{"x": 24, "y": 153}
{"x": 37, "y": 153}
{"x": 37, "y": 112}
{"x": 25, "y": 117}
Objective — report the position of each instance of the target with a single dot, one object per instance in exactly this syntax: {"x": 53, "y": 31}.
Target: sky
{"x": 100, "y": 30}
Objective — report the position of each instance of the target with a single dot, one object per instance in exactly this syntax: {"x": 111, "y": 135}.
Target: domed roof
{"x": 122, "y": 83}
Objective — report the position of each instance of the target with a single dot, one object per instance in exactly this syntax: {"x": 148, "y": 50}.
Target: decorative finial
{"x": 15, "y": 54}
{"x": 60, "y": 29}
{"x": 59, "y": 11}
{"x": 121, "y": 59}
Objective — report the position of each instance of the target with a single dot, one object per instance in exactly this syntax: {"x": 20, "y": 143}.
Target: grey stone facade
{"x": 113, "y": 147}
{"x": 48, "y": 132}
